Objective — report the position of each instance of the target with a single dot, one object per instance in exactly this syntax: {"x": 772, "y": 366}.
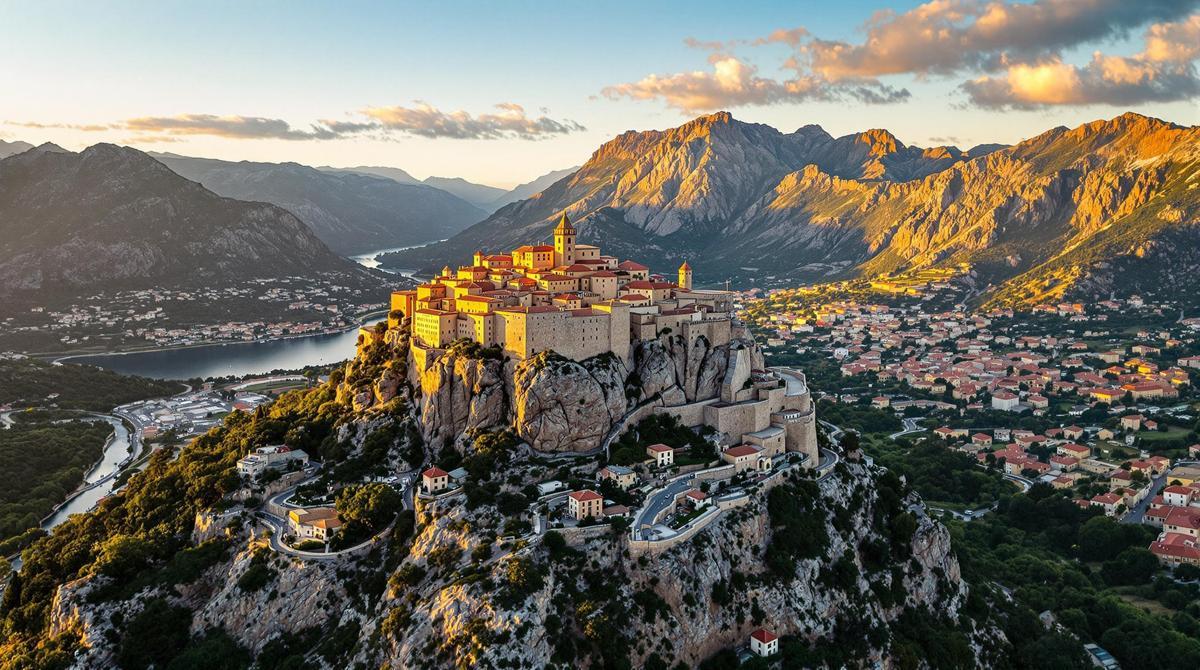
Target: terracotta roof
{"x": 764, "y": 636}
{"x": 1177, "y": 545}
{"x": 659, "y": 448}
{"x": 743, "y": 450}
{"x": 1184, "y": 517}
{"x": 632, "y": 265}
{"x": 435, "y": 472}
{"x": 584, "y": 496}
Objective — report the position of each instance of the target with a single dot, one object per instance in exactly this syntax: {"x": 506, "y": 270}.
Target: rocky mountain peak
{"x": 879, "y": 142}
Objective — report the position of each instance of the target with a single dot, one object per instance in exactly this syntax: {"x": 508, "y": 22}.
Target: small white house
{"x": 1005, "y": 401}
{"x": 662, "y": 454}
{"x": 763, "y": 642}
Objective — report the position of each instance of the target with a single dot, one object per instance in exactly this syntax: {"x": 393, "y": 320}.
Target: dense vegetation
{"x": 139, "y": 535}
{"x": 940, "y": 474}
{"x": 43, "y": 462}
{"x": 665, "y": 429}
{"x": 1095, "y": 575}
{"x": 29, "y": 381}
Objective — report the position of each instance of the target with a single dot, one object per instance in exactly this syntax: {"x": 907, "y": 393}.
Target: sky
{"x": 502, "y": 92}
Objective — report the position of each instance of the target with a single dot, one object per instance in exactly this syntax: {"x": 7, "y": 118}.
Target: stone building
{"x": 566, "y": 297}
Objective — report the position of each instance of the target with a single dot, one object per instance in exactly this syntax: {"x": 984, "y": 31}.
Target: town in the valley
{"x": 1097, "y": 399}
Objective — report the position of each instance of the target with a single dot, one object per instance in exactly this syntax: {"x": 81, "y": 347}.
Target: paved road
{"x": 659, "y": 500}
{"x": 1136, "y": 514}
{"x": 910, "y": 426}
{"x": 1023, "y": 482}
{"x": 834, "y": 433}
{"x": 279, "y": 526}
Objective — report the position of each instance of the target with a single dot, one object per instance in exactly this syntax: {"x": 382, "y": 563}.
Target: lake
{"x": 240, "y": 358}
{"x": 235, "y": 358}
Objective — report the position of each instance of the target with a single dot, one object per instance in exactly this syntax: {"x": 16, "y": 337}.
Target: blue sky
{"x": 98, "y": 65}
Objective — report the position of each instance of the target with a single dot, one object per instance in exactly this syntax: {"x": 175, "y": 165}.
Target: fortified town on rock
{"x": 571, "y": 299}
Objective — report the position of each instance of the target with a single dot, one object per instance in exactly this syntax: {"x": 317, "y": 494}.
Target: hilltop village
{"x": 566, "y": 297}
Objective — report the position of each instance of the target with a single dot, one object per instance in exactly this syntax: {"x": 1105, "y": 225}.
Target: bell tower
{"x": 685, "y": 276}
{"x": 564, "y": 242}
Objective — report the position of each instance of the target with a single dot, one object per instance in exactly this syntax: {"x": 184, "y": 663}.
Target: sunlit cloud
{"x": 950, "y": 36}
{"x": 732, "y": 82}
{"x": 231, "y": 127}
{"x": 1014, "y": 54}
{"x": 58, "y": 126}
{"x": 510, "y": 121}
{"x": 1163, "y": 71}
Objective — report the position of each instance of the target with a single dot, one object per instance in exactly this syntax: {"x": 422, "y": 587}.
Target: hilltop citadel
{"x": 573, "y": 300}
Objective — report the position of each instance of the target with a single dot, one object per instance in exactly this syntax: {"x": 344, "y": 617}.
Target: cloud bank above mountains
{"x": 509, "y": 121}
{"x": 1015, "y": 55}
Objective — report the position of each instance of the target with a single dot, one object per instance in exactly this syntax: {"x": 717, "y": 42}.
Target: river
{"x": 241, "y": 358}
{"x": 116, "y": 452}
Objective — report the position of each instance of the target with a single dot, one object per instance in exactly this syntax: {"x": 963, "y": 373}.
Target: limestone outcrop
{"x": 561, "y": 405}
{"x": 558, "y": 405}
{"x": 460, "y": 394}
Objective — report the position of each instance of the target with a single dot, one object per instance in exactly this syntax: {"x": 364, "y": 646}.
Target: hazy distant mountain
{"x": 10, "y": 148}
{"x": 113, "y": 217}
{"x": 1067, "y": 208}
{"x": 531, "y": 188}
{"x": 350, "y": 211}
{"x": 395, "y": 174}
{"x": 477, "y": 194}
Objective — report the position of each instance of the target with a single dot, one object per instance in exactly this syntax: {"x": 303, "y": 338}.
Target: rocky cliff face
{"x": 722, "y": 191}
{"x": 586, "y": 604}
{"x": 558, "y": 405}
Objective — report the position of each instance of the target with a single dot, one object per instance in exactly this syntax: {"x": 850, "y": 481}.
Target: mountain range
{"x": 487, "y": 198}
{"x": 1059, "y": 211}
{"x": 350, "y": 211}
{"x": 112, "y": 217}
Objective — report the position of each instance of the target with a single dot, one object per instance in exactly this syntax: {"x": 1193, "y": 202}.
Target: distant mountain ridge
{"x": 487, "y": 198}
{"x": 745, "y": 201}
{"x": 12, "y": 148}
{"x": 350, "y": 211}
{"x": 113, "y": 217}
{"x": 477, "y": 194}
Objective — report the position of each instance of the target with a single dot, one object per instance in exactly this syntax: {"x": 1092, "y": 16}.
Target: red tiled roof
{"x": 435, "y": 472}
{"x": 764, "y": 636}
{"x": 659, "y": 448}
{"x": 584, "y": 496}
{"x": 1177, "y": 545}
{"x": 742, "y": 450}
{"x": 1184, "y": 517}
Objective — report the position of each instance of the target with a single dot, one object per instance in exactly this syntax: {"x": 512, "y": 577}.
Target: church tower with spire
{"x": 685, "y": 276}
{"x": 564, "y": 242}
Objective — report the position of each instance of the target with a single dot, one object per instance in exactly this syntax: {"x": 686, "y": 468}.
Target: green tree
{"x": 371, "y": 505}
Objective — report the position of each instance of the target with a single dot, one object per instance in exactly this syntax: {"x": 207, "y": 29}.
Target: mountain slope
{"x": 531, "y": 188}
{"x": 746, "y": 201}
{"x": 113, "y": 217}
{"x": 349, "y": 211}
{"x": 477, "y": 194}
{"x": 395, "y": 174}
